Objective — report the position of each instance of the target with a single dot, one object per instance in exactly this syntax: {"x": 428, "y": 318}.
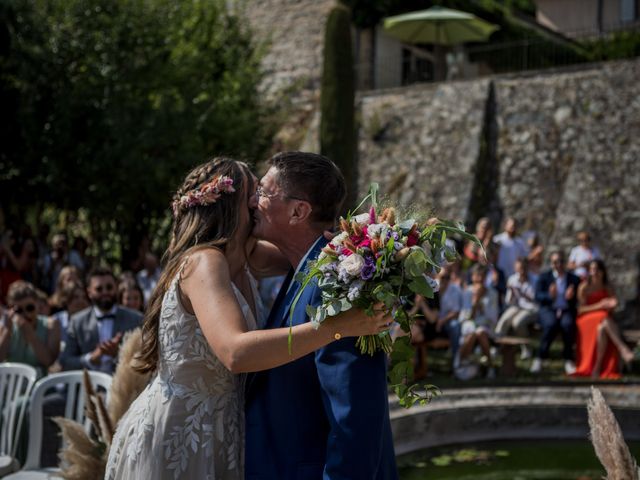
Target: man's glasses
{"x": 261, "y": 193}
{"x": 108, "y": 288}
{"x": 28, "y": 308}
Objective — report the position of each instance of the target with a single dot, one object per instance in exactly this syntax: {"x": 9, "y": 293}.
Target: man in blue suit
{"x": 326, "y": 415}
{"x": 556, "y": 293}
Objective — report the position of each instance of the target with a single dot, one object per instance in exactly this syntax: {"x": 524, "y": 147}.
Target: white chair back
{"x": 16, "y": 382}
{"x": 74, "y": 406}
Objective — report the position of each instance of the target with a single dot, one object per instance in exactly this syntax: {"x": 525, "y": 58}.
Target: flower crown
{"x": 205, "y": 195}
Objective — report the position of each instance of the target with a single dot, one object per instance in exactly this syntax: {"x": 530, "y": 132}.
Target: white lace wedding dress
{"x": 189, "y": 421}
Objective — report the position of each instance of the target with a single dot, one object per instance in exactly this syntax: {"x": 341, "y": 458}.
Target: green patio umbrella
{"x": 439, "y": 26}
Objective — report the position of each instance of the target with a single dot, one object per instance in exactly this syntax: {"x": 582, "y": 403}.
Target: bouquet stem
{"x": 370, "y": 344}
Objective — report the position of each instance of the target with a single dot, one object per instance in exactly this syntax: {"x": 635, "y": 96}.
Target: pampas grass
{"x": 127, "y": 384}
{"x": 608, "y": 442}
{"x": 82, "y": 457}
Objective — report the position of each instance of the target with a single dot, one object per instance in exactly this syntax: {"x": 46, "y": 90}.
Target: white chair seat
{"x": 42, "y": 474}
{"x": 8, "y": 465}
{"x": 16, "y": 383}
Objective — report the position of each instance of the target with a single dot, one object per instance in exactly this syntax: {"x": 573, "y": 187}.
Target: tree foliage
{"x": 111, "y": 101}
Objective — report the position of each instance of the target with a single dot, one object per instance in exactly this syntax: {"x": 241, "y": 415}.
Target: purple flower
{"x": 368, "y": 269}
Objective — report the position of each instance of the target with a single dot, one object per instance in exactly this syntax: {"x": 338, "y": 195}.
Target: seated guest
{"x": 556, "y": 297}
{"x": 42, "y": 305}
{"x": 479, "y": 316}
{"x": 494, "y": 277}
{"x": 521, "y": 309}
{"x": 25, "y": 336}
{"x": 130, "y": 295}
{"x": 69, "y": 275}
{"x": 148, "y": 277}
{"x": 73, "y": 298}
{"x": 598, "y": 341}
{"x": 472, "y": 251}
{"x": 441, "y": 313}
{"x": 94, "y": 334}
{"x": 536, "y": 255}
{"x": 581, "y": 255}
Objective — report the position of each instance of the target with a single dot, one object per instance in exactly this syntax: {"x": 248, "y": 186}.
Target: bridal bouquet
{"x": 378, "y": 258}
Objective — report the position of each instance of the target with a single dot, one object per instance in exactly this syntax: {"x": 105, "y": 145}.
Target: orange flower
{"x": 348, "y": 244}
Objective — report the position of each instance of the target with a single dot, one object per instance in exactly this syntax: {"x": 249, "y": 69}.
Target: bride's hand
{"x": 356, "y": 323}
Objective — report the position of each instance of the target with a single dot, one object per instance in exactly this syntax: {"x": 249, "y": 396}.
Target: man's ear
{"x": 300, "y": 212}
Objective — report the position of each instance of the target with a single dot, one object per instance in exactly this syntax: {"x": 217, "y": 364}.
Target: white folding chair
{"x": 16, "y": 382}
{"x": 74, "y": 410}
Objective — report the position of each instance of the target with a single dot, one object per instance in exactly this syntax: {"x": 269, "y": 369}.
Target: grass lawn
{"x": 441, "y": 375}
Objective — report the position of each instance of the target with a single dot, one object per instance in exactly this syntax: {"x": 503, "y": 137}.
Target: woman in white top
{"x": 479, "y": 316}
{"x": 581, "y": 255}
{"x": 520, "y": 300}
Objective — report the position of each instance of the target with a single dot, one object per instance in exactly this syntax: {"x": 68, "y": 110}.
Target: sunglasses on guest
{"x": 28, "y": 308}
{"x": 107, "y": 288}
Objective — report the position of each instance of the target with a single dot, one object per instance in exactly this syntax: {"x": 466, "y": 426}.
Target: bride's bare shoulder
{"x": 206, "y": 263}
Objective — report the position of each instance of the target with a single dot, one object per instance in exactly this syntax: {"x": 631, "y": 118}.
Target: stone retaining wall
{"x": 471, "y": 415}
{"x": 422, "y": 143}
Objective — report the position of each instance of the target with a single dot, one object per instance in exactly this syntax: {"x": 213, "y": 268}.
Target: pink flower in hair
{"x": 205, "y": 195}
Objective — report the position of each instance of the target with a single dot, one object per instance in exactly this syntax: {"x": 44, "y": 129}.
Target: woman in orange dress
{"x": 598, "y": 340}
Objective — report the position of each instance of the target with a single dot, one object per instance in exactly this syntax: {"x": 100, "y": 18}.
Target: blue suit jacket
{"x": 323, "y": 416}
{"x": 542, "y": 291}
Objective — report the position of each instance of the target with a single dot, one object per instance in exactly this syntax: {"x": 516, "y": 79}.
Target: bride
{"x": 199, "y": 336}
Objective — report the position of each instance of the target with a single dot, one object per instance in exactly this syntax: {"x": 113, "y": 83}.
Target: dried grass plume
{"x": 127, "y": 384}
{"x": 608, "y": 442}
{"x": 82, "y": 458}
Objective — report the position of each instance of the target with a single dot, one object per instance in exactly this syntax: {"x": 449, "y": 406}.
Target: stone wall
{"x": 568, "y": 151}
{"x": 558, "y": 151}
{"x": 422, "y": 143}
{"x": 292, "y": 32}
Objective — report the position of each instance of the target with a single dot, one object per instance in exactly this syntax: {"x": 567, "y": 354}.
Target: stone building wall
{"x": 558, "y": 151}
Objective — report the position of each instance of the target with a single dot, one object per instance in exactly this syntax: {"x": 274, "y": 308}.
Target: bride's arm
{"x": 207, "y": 285}
{"x": 265, "y": 259}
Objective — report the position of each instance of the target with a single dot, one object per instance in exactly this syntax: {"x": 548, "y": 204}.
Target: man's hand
{"x": 570, "y": 292}
{"x": 553, "y": 290}
{"x": 110, "y": 347}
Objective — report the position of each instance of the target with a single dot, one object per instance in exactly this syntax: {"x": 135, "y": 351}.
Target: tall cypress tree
{"x": 337, "y": 124}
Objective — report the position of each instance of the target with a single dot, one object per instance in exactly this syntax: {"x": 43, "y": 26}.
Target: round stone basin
{"x": 465, "y": 416}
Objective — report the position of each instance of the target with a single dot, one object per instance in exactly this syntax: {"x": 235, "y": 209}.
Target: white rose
{"x": 374, "y": 230}
{"x": 353, "y": 264}
{"x": 338, "y": 239}
{"x": 362, "y": 219}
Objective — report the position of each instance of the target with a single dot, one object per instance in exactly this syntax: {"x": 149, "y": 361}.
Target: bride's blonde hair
{"x": 194, "y": 228}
